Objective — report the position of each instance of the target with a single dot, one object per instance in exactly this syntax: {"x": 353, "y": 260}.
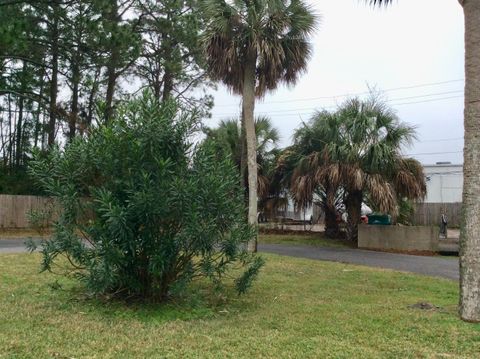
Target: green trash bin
{"x": 379, "y": 219}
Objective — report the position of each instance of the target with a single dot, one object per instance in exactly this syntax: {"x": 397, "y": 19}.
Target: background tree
{"x": 251, "y": 47}
{"x": 62, "y": 61}
{"x": 356, "y": 153}
{"x": 469, "y": 235}
{"x": 227, "y": 139}
{"x": 306, "y": 162}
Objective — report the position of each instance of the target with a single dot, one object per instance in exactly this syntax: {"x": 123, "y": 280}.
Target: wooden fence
{"x": 428, "y": 214}
{"x": 15, "y": 210}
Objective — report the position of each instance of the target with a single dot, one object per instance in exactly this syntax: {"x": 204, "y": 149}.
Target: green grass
{"x": 297, "y": 309}
{"x": 314, "y": 239}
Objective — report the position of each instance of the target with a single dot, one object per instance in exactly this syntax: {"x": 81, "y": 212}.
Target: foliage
{"x": 143, "y": 212}
{"x": 227, "y": 140}
{"x": 355, "y": 153}
{"x": 277, "y": 30}
{"x": 61, "y": 62}
{"x": 405, "y": 211}
{"x": 17, "y": 181}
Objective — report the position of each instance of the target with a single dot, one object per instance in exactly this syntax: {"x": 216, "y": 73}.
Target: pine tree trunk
{"x": 353, "y": 205}
{"x": 72, "y": 120}
{"x": 248, "y": 106}
{"x": 19, "y": 132}
{"x": 54, "y": 79}
{"x": 114, "y": 60}
{"x": 470, "y": 232}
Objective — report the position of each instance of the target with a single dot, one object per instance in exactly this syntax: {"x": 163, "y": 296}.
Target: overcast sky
{"x": 412, "y": 50}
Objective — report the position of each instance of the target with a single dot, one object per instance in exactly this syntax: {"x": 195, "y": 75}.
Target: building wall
{"x": 444, "y": 183}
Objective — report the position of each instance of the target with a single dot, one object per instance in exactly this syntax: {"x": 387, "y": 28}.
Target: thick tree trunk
{"x": 353, "y": 205}
{"x": 332, "y": 229}
{"x": 470, "y": 232}
{"x": 248, "y": 106}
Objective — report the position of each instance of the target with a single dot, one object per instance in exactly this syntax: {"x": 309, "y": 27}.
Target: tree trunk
{"x": 470, "y": 231}
{"x": 72, "y": 119}
{"x": 243, "y": 158}
{"x": 353, "y": 204}
{"x": 54, "y": 79}
{"x": 248, "y": 106}
{"x": 332, "y": 229}
{"x": 19, "y": 132}
{"x": 114, "y": 59}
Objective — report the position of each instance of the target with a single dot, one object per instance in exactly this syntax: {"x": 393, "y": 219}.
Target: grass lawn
{"x": 312, "y": 239}
{"x": 297, "y": 309}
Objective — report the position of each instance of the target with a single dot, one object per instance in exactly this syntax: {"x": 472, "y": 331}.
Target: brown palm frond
{"x": 381, "y": 193}
{"x": 409, "y": 179}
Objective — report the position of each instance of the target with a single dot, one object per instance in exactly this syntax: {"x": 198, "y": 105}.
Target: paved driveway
{"x": 432, "y": 266}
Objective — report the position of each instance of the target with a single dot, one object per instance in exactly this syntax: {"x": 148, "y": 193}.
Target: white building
{"x": 444, "y": 182}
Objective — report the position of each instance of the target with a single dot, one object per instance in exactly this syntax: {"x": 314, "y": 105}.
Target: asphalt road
{"x": 431, "y": 266}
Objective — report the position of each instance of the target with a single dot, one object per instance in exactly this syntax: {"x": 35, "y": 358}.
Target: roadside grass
{"x": 297, "y": 309}
{"x": 22, "y": 233}
{"x": 316, "y": 239}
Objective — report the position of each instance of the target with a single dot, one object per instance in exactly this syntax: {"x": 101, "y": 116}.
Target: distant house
{"x": 444, "y": 182}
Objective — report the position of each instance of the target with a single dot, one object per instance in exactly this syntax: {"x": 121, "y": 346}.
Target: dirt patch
{"x": 424, "y": 306}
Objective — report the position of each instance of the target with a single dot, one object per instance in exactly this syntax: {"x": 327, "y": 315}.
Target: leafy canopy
{"x": 143, "y": 212}
{"x": 274, "y": 32}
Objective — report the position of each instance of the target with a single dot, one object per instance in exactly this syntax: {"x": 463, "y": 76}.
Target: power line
{"x": 443, "y": 140}
{"x": 394, "y": 99}
{"x": 358, "y": 93}
{"x": 218, "y": 116}
{"x": 433, "y": 153}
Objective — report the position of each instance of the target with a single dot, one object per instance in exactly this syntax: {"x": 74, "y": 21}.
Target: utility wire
{"x": 220, "y": 116}
{"x": 358, "y": 93}
{"x": 394, "y": 99}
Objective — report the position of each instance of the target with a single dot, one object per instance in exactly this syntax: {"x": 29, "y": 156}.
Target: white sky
{"x": 410, "y": 43}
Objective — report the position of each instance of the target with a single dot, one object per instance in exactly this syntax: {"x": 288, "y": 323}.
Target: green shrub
{"x": 144, "y": 212}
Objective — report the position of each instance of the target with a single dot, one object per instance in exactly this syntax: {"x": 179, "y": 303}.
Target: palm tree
{"x": 357, "y": 152}
{"x": 227, "y": 137}
{"x": 252, "y": 46}
{"x": 469, "y": 306}
{"x": 300, "y": 165}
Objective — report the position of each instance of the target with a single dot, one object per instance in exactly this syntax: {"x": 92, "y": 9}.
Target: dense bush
{"x": 143, "y": 211}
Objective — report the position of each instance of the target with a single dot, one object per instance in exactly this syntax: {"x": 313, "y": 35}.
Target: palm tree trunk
{"x": 332, "y": 229}
{"x": 248, "y": 106}
{"x": 353, "y": 204}
{"x": 470, "y": 232}
{"x": 243, "y": 158}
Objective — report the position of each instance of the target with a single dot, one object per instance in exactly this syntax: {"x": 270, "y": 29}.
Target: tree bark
{"x": 353, "y": 204}
{"x": 248, "y": 106}
{"x": 114, "y": 59}
{"x": 332, "y": 229}
{"x": 243, "y": 158}
{"x": 72, "y": 119}
{"x": 54, "y": 79}
{"x": 19, "y": 132}
{"x": 469, "y": 307}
